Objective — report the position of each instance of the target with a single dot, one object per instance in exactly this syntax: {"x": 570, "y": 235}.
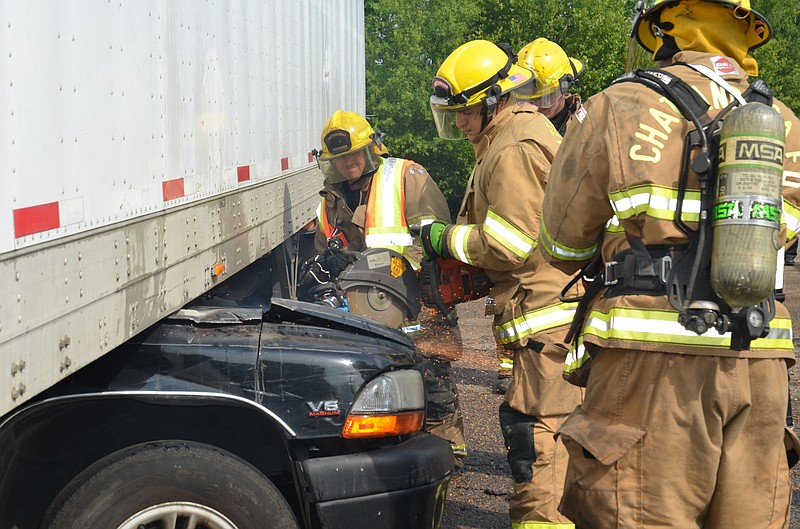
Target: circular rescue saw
{"x": 383, "y": 286}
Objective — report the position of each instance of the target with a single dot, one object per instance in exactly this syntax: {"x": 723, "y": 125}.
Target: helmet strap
{"x": 376, "y": 138}
{"x": 492, "y": 98}
{"x": 489, "y": 109}
{"x": 569, "y": 79}
{"x": 487, "y": 117}
{"x": 561, "y": 117}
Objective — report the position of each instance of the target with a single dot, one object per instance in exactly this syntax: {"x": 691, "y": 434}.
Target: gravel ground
{"x": 478, "y": 493}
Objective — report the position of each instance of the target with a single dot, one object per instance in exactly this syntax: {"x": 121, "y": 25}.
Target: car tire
{"x": 170, "y": 484}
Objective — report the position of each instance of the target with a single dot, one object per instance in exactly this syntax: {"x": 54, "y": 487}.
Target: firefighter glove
{"x": 431, "y": 237}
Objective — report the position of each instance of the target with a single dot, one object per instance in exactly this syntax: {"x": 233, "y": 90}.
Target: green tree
{"x": 595, "y": 32}
{"x": 777, "y": 60}
{"x": 406, "y": 42}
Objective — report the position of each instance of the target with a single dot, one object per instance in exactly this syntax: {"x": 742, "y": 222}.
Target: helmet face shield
{"x": 546, "y": 98}
{"x": 351, "y": 148}
{"x": 445, "y": 121}
{"x": 350, "y": 166}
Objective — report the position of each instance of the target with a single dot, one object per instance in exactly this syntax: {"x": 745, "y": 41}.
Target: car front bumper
{"x": 397, "y": 487}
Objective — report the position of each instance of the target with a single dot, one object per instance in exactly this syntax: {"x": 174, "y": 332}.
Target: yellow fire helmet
{"x": 646, "y": 31}
{"x": 350, "y": 139}
{"x": 554, "y": 72}
{"x": 478, "y": 72}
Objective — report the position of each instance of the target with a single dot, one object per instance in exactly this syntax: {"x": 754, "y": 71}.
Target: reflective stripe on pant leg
{"x": 541, "y": 525}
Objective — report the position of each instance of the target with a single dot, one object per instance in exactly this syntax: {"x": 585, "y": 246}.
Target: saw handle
{"x": 430, "y": 267}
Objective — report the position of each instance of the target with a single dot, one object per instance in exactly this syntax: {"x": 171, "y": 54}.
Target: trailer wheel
{"x": 170, "y": 484}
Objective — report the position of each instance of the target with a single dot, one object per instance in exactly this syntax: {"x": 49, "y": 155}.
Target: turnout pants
{"x": 536, "y": 404}
{"x": 678, "y": 441}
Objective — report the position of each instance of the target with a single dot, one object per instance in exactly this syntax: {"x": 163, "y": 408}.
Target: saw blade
{"x": 376, "y": 304}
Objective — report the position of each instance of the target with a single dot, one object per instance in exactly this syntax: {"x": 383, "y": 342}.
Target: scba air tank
{"x": 747, "y": 212}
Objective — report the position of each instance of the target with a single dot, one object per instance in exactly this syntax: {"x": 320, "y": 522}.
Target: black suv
{"x": 232, "y": 418}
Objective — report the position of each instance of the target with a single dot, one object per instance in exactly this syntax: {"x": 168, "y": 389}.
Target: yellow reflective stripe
{"x": 424, "y": 220}
{"x": 661, "y": 326}
{"x": 509, "y": 236}
{"x": 791, "y": 215}
{"x": 655, "y": 201}
{"x": 562, "y": 251}
{"x": 613, "y": 226}
{"x": 458, "y": 241}
{"x": 505, "y": 364}
{"x": 321, "y": 216}
{"x": 460, "y": 449}
{"x": 536, "y": 321}
{"x": 541, "y": 525}
{"x": 576, "y": 357}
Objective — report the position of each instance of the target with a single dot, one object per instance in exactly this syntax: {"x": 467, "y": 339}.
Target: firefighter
{"x": 475, "y": 96}
{"x": 368, "y": 201}
{"x": 555, "y": 74}
{"x": 677, "y": 429}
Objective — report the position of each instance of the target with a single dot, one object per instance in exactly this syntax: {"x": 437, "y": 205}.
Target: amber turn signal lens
{"x": 218, "y": 269}
{"x": 361, "y": 426}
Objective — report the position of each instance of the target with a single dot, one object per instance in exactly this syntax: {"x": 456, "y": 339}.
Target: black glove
{"x": 318, "y": 275}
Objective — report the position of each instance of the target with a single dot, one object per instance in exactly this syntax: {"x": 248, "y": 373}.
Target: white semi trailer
{"x": 153, "y": 152}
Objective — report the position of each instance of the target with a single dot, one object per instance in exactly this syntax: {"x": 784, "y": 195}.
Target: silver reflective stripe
{"x": 388, "y": 205}
{"x": 382, "y": 240}
{"x": 660, "y": 326}
{"x": 629, "y": 206}
{"x": 509, "y": 236}
{"x": 563, "y": 252}
{"x": 536, "y": 321}
{"x": 654, "y": 201}
{"x": 459, "y": 237}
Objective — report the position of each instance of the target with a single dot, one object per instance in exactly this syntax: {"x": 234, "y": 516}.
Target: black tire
{"x": 144, "y": 485}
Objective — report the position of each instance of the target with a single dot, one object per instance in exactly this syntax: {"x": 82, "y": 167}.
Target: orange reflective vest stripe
{"x": 325, "y": 226}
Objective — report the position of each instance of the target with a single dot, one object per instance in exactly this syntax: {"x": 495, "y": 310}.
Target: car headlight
{"x": 391, "y": 404}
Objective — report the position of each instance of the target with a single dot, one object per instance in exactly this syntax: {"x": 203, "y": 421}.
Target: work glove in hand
{"x": 431, "y": 237}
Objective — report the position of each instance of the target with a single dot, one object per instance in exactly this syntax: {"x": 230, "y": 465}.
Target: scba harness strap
{"x": 673, "y": 271}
